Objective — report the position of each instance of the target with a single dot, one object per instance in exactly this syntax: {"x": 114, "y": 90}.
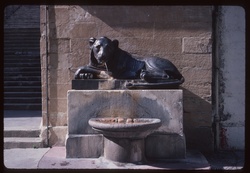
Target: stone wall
{"x": 180, "y": 34}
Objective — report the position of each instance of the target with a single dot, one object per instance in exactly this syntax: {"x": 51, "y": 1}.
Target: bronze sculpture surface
{"x": 107, "y": 61}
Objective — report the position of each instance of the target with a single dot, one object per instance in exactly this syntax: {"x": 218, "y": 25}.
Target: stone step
{"x": 24, "y": 45}
{"x": 15, "y": 132}
{"x": 21, "y": 62}
{"x": 24, "y": 37}
{"x": 17, "y": 36}
{"x": 18, "y": 39}
{"x": 22, "y": 94}
{"x": 10, "y": 65}
{"x": 22, "y": 78}
{"x": 17, "y": 59}
{"x": 10, "y": 142}
{"x": 22, "y": 69}
{"x": 22, "y": 57}
{"x": 22, "y": 100}
{"x": 21, "y": 106}
{"x": 15, "y": 48}
{"x": 22, "y": 89}
{"x": 22, "y": 83}
{"x": 16, "y": 62}
{"x": 13, "y": 73}
{"x": 27, "y": 88}
{"x": 21, "y": 32}
{"x": 23, "y": 52}
{"x": 16, "y": 42}
{"x": 29, "y": 46}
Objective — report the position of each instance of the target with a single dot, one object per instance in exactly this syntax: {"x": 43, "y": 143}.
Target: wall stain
{"x": 223, "y": 138}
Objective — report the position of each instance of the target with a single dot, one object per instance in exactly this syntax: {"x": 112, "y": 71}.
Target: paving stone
{"x": 23, "y": 158}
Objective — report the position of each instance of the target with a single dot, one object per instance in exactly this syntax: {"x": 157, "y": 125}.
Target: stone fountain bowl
{"x": 125, "y": 127}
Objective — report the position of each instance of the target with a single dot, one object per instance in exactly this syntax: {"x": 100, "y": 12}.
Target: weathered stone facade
{"x": 181, "y": 34}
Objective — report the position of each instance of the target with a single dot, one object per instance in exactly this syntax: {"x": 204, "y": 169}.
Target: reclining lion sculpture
{"x": 107, "y": 61}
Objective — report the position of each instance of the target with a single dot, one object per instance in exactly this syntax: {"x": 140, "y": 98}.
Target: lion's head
{"x": 102, "y": 49}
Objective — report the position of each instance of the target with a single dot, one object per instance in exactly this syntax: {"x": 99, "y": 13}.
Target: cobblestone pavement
{"x": 226, "y": 160}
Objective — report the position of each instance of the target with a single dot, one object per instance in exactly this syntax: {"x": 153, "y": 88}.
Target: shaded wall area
{"x": 181, "y": 34}
{"x": 230, "y": 61}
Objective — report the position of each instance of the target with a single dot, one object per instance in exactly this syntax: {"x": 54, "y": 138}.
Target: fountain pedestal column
{"x": 124, "y": 150}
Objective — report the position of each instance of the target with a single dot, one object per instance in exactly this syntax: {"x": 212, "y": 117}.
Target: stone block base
{"x": 165, "y": 146}
{"x": 157, "y": 146}
{"x": 84, "y": 146}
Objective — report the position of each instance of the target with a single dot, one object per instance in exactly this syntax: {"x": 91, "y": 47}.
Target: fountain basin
{"x": 125, "y": 127}
{"x": 124, "y": 137}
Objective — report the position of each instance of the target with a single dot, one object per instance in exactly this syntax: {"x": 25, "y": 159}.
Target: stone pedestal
{"x": 124, "y": 150}
{"x": 166, "y": 142}
{"x": 84, "y": 146}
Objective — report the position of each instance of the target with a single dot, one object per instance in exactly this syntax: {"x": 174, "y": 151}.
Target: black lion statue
{"x": 107, "y": 61}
